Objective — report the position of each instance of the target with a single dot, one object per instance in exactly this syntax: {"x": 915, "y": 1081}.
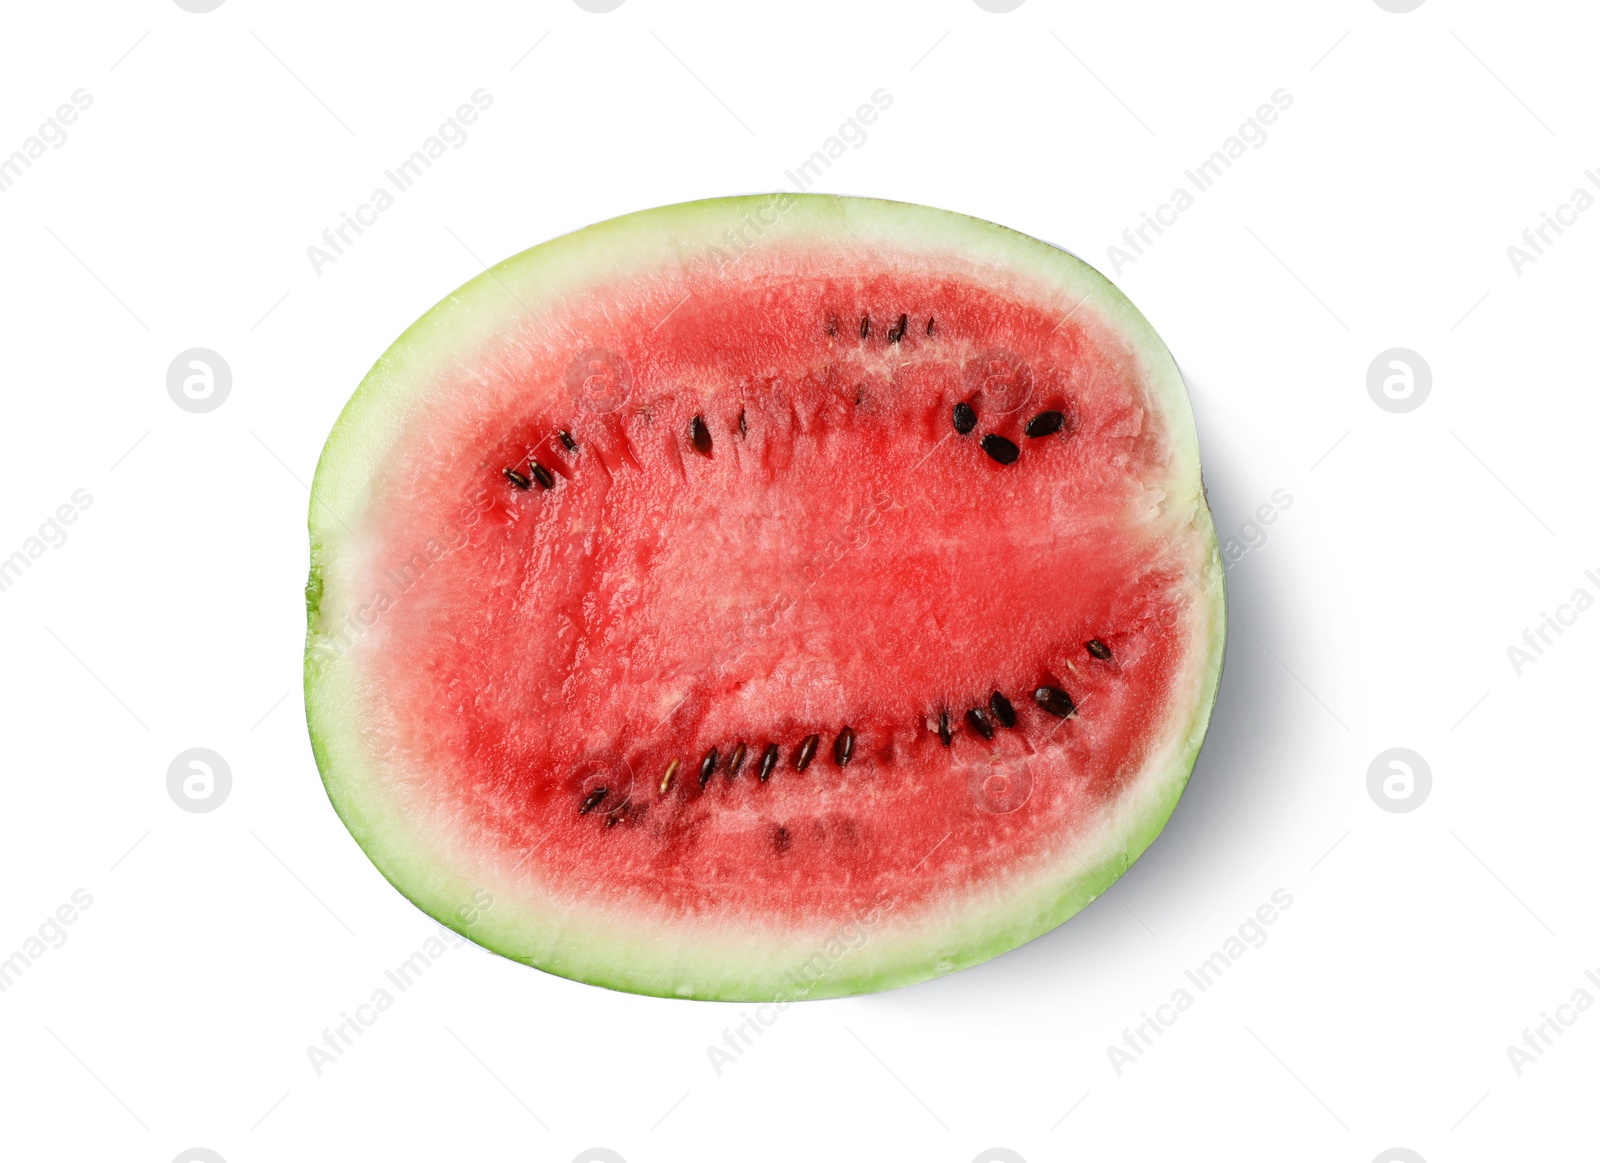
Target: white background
{"x": 1377, "y": 613}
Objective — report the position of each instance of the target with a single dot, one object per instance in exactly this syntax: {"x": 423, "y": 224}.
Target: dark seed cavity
{"x": 808, "y": 750}
{"x": 742, "y": 428}
{"x": 964, "y": 418}
{"x": 736, "y": 760}
{"x": 898, "y": 331}
{"x": 546, "y": 478}
{"x": 1000, "y": 450}
{"x": 517, "y": 478}
{"x": 930, "y": 324}
{"x": 567, "y": 442}
{"x": 844, "y": 747}
{"x": 613, "y": 820}
{"x": 944, "y": 727}
{"x": 780, "y": 838}
{"x": 1098, "y": 648}
{"x": 980, "y": 722}
{"x": 1055, "y": 700}
{"x": 700, "y": 436}
{"x": 769, "y": 760}
{"x": 1003, "y": 710}
{"x": 592, "y": 800}
{"x": 1045, "y": 423}
{"x": 666, "y": 780}
{"x": 833, "y": 325}
{"x": 866, "y": 327}
{"x": 707, "y": 766}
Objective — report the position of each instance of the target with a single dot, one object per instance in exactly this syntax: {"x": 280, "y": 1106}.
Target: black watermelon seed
{"x": 808, "y": 749}
{"x": 980, "y": 723}
{"x": 1055, "y": 700}
{"x": 780, "y": 838}
{"x": 1045, "y": 423}
{"x": 567, "y": 442}
{"x": 700, "y": 436}
{"x": 964, "y": 418}
{"x": 707, "y": 766}
{"x": 546, "y": 478}
{"x": 1003, "y": 710}
{"x": 1000, "y": 449}
{"x": 930, "y": 324}
{"x": 517, "y": 478}
{"x": 592, "y": 800}
{"x": 1098, "y": 648}
{"x": 844, "y": 747}
{"x": 866, "y": 327}
{"x": 898, "y": 331}
{"x": 769, "y": 760}
{"x": 666, "y": 780}
{"x": 736, "y": 760}
{"x": 944, "y": 727}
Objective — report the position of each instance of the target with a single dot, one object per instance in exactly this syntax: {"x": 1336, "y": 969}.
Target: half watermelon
{"x": 764, "y": 598}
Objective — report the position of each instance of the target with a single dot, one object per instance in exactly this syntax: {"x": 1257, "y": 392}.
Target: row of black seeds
{"x": 1050, "y": 699}
{"x": 537, "y": 471}
{"x": 844, "y": 746}
{"x": 1002, "y": 451}
{"x": 895, "y": 334}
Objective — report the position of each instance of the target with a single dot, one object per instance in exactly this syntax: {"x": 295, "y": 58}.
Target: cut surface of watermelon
{"x": 769, "y": 597}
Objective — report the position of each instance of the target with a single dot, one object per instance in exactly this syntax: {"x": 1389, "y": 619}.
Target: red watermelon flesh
{"x": 677, "y": 618}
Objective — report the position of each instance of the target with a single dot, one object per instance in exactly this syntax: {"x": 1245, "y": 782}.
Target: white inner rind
{"x": 893, "y": 944}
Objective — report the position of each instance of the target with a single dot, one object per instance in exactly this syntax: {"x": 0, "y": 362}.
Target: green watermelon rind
{"x": 875, "y": 952}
